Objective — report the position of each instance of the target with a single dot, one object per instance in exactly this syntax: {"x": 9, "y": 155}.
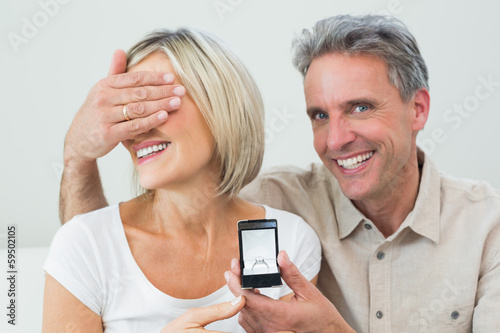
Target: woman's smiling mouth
{"x": 151, "y": 150}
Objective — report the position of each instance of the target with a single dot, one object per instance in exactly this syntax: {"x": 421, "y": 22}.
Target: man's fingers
{"x": 149, "y": 93}
{"x": 302, "y": 288}
{"x": 246, "y": 322}
{"x": 253, "y": 297}
{"x": 130, "y": 129}
{"x": 233, "y": 280}
{"x": 144, "y": 109}
{"x": 209, "y": 314}
{"x": 140, "y": 79}
{"x": 118, "y": 63}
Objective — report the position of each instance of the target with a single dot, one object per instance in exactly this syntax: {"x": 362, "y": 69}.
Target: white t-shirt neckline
{"x": 176, "y": 302}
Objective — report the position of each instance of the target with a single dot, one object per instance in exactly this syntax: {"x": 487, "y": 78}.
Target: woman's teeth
{"x": 355, "y": 162}
{"x": 151, "y": 150}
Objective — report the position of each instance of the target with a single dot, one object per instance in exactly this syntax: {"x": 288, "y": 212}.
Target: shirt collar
{"x": 347, "y": 215}
{"x": 423, "y": 219}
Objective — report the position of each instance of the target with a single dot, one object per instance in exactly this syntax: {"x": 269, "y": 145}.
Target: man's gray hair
{"x": 381, "y": 36}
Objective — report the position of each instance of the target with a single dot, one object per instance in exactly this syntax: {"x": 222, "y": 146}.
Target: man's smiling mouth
{"x": 355, "y": 162}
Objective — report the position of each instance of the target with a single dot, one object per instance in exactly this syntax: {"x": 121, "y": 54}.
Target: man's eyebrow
{"x": 367, "y": 100}
{"x": 345, "y": 105}
{"x": 313, "y": 109}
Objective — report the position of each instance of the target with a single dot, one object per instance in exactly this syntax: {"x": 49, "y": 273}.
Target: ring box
{"x": 259, "y": 250}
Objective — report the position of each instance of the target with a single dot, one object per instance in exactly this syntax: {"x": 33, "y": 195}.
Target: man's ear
{"x": 421, "y": 104}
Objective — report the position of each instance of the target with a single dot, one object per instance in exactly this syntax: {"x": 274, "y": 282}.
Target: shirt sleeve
{"x": 488, "y": 298}
{"x": 73, "y": 261}
{"x": 304, "y": 251}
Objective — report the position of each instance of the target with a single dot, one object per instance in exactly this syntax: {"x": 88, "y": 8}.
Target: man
{"x": 406, "y": 249}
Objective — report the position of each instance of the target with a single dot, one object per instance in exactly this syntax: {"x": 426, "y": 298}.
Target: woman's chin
{"x": 153, "y": 182}
{"x": 149, "y": 183}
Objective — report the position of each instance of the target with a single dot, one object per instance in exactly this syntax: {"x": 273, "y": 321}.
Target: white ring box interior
{"x": 258, "y": 244}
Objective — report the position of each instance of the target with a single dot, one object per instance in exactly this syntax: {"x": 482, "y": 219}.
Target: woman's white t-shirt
{"x": 91, "y": 258}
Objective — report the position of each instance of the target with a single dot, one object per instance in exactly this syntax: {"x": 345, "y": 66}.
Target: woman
{"x": 139, "y": 265}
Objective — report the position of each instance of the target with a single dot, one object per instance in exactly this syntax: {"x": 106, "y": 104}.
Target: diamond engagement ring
{"x": 260, "y": 261}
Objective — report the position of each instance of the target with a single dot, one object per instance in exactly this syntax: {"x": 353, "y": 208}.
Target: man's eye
{"x": 361, "y": 108}
{"x": 320, "y": 116}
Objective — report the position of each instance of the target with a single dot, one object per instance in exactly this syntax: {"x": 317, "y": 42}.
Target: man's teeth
{"x": 354, "y": 162}
{"x": 152, "y": 149}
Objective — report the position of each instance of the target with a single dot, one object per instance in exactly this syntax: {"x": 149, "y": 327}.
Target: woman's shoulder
{"x": 97, "y": 220}
{"x": 95, "y": 227}
{"x": 99, "y": 214}
{"x": 82, "y": 252}
{"x": 83, "y": 244}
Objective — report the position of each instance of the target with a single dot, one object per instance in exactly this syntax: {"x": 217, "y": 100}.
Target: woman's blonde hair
{"x": 225, "y": 93}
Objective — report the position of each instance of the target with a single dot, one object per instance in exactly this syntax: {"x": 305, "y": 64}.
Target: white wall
{"x": 45, "y": 79}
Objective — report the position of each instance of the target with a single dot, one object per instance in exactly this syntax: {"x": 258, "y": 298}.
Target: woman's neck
{"x": 171, "y": 232}
{"x": 191, "y": 212}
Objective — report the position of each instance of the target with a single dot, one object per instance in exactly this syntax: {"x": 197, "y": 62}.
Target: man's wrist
{"x": 76, "y": 162}
{"x": 338, "y": 326}
{"x": 81, "y": 188}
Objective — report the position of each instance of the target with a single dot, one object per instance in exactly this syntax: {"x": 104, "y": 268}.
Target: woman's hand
{"x": 195, "y": 319}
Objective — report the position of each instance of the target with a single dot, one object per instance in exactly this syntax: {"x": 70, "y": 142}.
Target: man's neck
{"x": 388, "y": 211}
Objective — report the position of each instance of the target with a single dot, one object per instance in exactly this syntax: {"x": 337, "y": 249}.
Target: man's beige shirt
{"x": 440, "y": 272}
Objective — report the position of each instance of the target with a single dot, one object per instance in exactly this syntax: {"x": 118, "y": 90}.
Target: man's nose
{"x": 340, "y": 134}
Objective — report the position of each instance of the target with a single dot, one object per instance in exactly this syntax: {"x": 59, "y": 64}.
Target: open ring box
{"x": 259, "y": 253}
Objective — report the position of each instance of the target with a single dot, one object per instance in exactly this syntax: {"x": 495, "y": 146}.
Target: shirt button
{"x": 380, "y": 255}
{"x": 455, "y": 314}
{"x": 368, "y": 226}
{"x": 379, "y": 314}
